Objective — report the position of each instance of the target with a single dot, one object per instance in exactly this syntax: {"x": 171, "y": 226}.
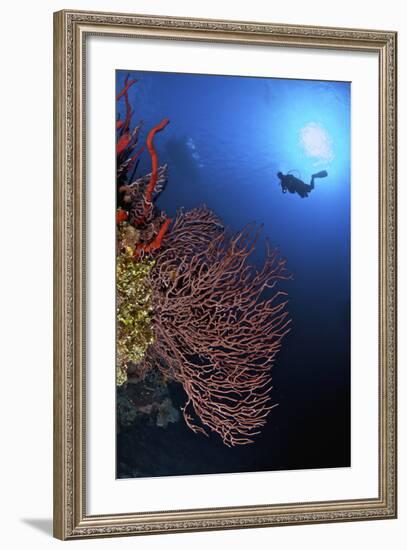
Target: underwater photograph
{"x": 232, "y": 274}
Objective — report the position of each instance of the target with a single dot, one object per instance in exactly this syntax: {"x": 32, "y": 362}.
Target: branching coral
{"x": 191, "y": 302}
{"x": 135, "y": 196}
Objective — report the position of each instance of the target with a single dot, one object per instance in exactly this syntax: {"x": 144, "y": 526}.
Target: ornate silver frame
{"x": 70, "y": 518}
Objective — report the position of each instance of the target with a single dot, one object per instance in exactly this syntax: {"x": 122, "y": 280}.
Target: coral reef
{"x": 191, "y": 303}
{"x": 140, "y": 232}
{"x": 145, "y": 400}
{"x": 134, "y": 308}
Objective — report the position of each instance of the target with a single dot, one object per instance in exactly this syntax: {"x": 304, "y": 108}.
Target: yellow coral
{"x": 134, "y": 309}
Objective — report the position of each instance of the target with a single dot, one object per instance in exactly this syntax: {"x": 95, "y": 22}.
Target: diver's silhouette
{"x": 292, "y": 184}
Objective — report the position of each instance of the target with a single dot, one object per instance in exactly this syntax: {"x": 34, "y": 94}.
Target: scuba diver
{"x": 292, "y": 184}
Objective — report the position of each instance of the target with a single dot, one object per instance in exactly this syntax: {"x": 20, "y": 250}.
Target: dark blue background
{"x": 227, "y": 139}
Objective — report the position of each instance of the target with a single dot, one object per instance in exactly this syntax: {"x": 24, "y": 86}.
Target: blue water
{"x": 227, "y": 139}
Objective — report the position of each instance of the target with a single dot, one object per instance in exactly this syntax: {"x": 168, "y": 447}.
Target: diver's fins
{"x": 322, "y": 174}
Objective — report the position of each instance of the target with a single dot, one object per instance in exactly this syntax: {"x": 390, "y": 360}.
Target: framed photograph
{"x": 225, "y": 274}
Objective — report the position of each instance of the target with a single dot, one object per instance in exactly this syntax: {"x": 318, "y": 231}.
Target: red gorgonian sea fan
{"x": 219, "y": 323}
{"x": 218, "y": 320}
